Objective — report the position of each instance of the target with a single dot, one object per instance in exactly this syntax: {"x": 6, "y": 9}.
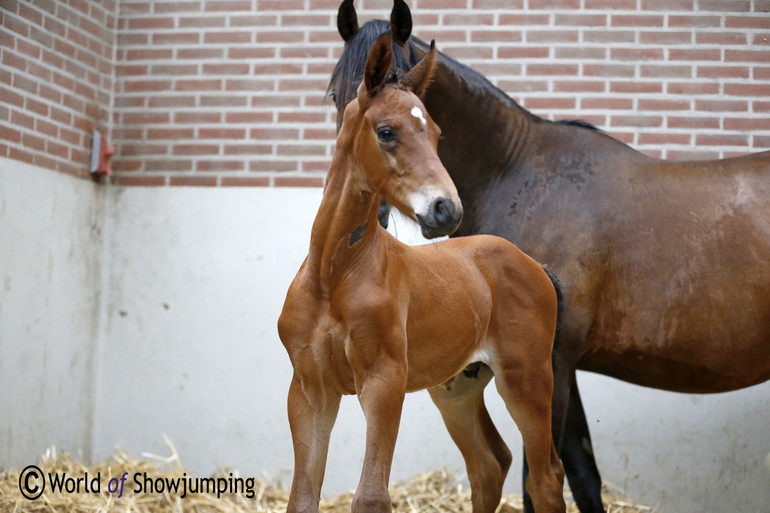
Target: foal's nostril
{"x": 442, "y": 211}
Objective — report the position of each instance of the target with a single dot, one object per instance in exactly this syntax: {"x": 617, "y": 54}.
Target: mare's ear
{"x": 419, "y": 77}
{"x": 347, "y": 20}
{"x": 400, "y": 21}
{"x": 378, "y": 63}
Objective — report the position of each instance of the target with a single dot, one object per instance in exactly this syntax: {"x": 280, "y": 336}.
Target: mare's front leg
{"x": 380, "y": 376}
{"x": 311, "y": 426}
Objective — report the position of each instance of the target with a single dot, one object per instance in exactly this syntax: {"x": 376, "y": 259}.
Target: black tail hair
{"x": 559, "y": 307}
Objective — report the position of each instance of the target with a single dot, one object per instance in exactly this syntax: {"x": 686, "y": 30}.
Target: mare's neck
{"x": 484, "y": 132}
{"x": 346, "y": 222}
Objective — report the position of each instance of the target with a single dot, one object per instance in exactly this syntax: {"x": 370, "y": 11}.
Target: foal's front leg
{"x": 381, "y": 386}
{"x": 311, "y": 425}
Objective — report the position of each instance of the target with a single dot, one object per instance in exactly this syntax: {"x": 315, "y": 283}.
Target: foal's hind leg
{"x": 487, "y": 458}
{"x": 527, "y": 395}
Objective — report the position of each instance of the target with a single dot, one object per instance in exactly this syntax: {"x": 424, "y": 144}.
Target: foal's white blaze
{"x": 419, "y": 114}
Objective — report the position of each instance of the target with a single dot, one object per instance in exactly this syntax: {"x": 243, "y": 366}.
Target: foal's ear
{"x": 400, "y": 21}
{"x": 419, "y": 77}
{"x": 378, "y": 63}
{"x": 347, "y": 20}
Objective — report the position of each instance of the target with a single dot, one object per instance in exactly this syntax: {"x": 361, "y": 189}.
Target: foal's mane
{"x": 349, "y": 68}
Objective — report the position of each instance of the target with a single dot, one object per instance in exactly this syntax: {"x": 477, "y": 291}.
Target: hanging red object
{"x": 101, "y": 153}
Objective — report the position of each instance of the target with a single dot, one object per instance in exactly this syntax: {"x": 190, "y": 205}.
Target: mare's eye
{"x": 333, "y": 96}
{"x": 386, "y": 135}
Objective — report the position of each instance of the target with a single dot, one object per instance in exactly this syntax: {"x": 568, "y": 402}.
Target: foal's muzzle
{"x": 442, "y": 217}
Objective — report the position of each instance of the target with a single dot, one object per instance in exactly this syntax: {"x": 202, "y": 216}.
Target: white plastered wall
{"x": 129, "y": 313}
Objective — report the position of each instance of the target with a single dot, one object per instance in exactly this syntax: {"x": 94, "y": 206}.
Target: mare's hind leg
{"x": 486, "y": 456}
{"x": 578, "y": 456}
{"x": 527, "y": 395}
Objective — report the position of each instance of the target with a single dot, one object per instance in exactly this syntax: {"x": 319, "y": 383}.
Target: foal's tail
{"x": 559, "y": 308}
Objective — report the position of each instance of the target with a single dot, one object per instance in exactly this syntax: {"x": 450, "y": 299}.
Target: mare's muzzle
{"x": 442, "y": 217}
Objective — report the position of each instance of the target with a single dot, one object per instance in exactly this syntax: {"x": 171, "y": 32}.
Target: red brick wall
{"x": 231, "y": 92}
{"x": 56, "y": 80}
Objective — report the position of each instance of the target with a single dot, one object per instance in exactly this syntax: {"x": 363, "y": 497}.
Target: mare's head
{"x": 395, "y": 141}
{"x": 349, "y": 71}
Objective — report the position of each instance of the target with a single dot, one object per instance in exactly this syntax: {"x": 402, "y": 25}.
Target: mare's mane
{"x": 349, "y": 68}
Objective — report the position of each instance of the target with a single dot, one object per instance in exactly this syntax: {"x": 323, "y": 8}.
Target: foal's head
{"x": 395, "y": 141}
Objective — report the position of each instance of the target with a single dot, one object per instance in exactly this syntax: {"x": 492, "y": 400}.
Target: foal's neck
{"x": 346, "y": 223}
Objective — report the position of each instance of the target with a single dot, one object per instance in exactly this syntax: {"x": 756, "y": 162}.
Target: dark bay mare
{"x": 665, "y": 266}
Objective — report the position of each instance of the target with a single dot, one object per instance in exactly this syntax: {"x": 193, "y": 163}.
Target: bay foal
{"x": 369, "y": 315}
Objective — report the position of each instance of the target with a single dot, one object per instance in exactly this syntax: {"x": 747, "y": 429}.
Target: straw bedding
{"x": 433, "y": 492}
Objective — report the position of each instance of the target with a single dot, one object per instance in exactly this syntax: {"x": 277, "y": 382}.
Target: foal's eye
{"x": 386, "y": 135}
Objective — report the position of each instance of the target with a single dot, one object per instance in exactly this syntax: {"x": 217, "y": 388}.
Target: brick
{"x": 220, "y": 165}
{"x": 202, "y": 22}
{"x": 222, "y": 133}
{"x": 168, "y": 164}
{"x": 665, "y": 38}
{"x": 692, "y": 88}
{"x": 720, "y": 140}
{"x": 272, "y": 165}
{"x": 298, "y": 181}
{"x": 551, "y": 69}
{"x": 21, "y": 119}
{"x": 225, "y": 69}
{"x": 539, "y": 4}
{"x": 609, "y": 36}
{"x": 279, "y": 5}
{"x": 608, "y": 70}
{"x": 723, "y": 105}
{"x": 134, "y": 86}
{"x": 188, "y": 84}
{"x": 176, "y": 7}
{"x": 607, "y": 103}
{"x": 659, "y": 139}
{"x": 248, "y": 149}
{"x": 579, "y": 86}
{"x": 245, "y": 181}
{"x": 164, "y": 22}
{"x": 636, "y": 121}
{"x": 636, "y": 54}
{"x": 197, "y": 117}
{"x": 141, "y": 181}
{"x": 200, "y": 53}
{"x": 10, "y": 134}
{"x": 228, "y": 5}
{"x": 259, "y": 20}
{"x": 228, "y": 100}
{"x": 747, "y": 124}
{"x": 660, "y": 105}
{"x": 193, "y": 181}
{"x": 228, "y": 37}
{"x": 755, "y": 90}
{"x": 692, "y": 122}
{"x": 725, "y": 5}
{"x": 747, "y": 56}
{"x": 176, "y": 38}
{"x": 665, "y": 71}
{"x": 248, "y": 117}
{"x": 195, "y": 149}
{"x": 721, "y": 38}
{"x": 723, "y": 72}
{"x": 581, "y": 52}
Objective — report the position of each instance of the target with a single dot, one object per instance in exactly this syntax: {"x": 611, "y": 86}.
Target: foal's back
{"x": 465, "y": 298}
